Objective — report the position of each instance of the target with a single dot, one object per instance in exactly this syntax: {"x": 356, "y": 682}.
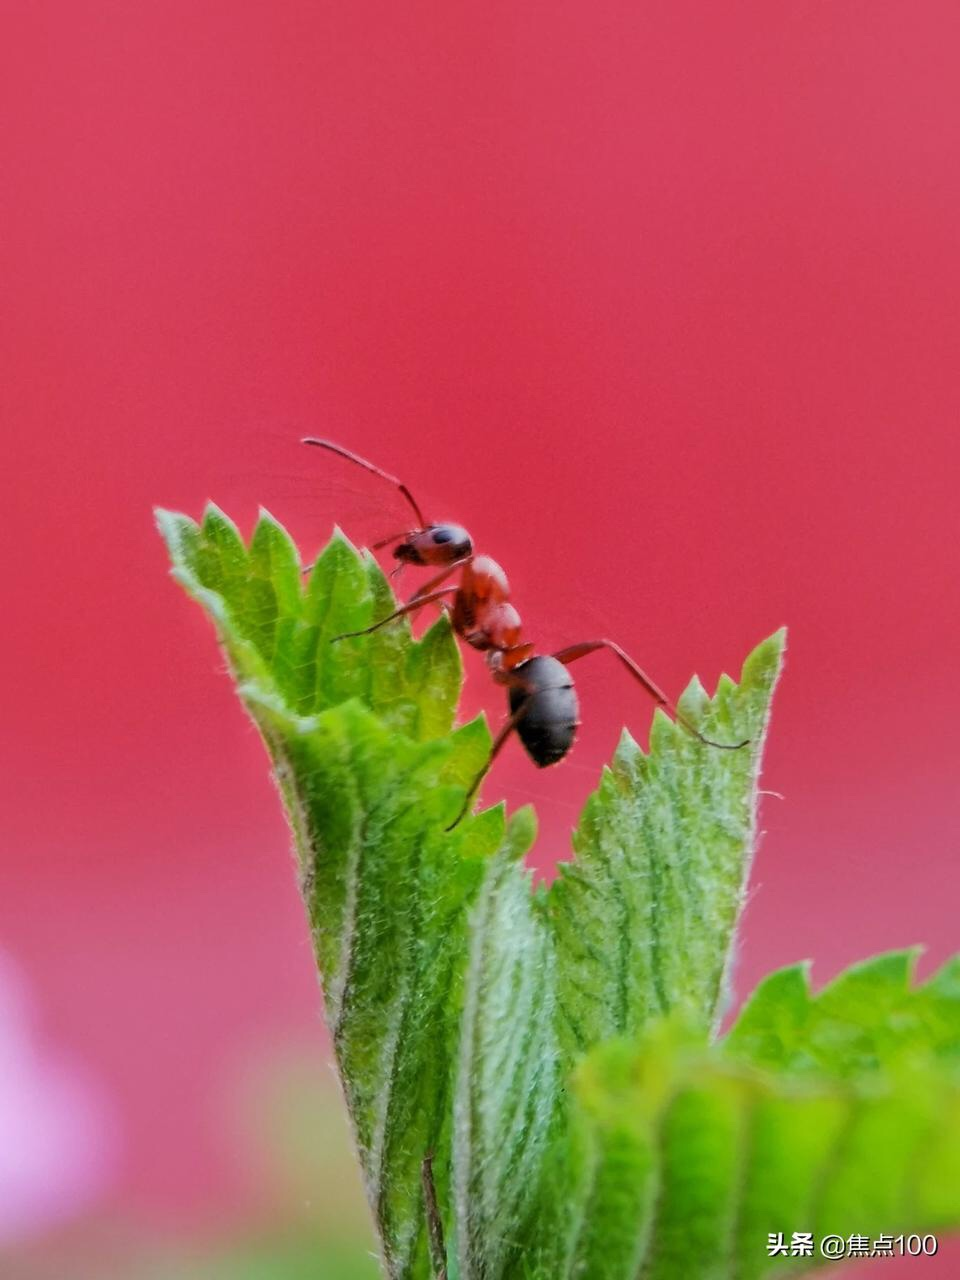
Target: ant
{"x": 542, "y": 700}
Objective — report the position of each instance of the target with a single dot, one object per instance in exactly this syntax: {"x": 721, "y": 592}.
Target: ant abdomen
{"x": 544, "y": 703}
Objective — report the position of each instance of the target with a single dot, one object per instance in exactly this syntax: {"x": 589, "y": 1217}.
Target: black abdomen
{"x": 549, "y": 721}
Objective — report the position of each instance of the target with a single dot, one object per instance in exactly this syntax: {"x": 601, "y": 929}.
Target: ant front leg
{"x": 575, "y": 651}
{"x": 419, "y": 596}
{"x": 410, "y": 607}
{"x": 425, "y": 594}
{"x": 442, "y": 576}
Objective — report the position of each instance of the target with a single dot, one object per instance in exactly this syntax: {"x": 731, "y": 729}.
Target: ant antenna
{"x": 368, "y": 466}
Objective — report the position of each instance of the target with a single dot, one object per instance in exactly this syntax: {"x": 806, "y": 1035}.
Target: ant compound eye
{"x": 452, "y": 536}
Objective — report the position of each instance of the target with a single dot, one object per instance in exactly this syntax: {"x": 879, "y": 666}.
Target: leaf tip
{"x": 213, "y": 512}
{"x": 663, "y": 732}
{"x": 521, "y": 831}
{"x": 180, "y": 535}
{"x": 627, "y": 748}
{"x": 766, "y": 660}
{"x": 169, "y": 523}
{"x": 890, "y": 970}
{"x": 265, "y": 516}
{"x": 946, "y": 980}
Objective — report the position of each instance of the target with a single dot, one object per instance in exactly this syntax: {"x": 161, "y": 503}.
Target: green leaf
{"x": 552, "y": 1048}
{"x": 868, "y": 1019}
{"x": 508, "y": 1072}
{"x": 359, "y": 732}
{"x": 644, "y": 919}
{"x": 720, "y": 1150}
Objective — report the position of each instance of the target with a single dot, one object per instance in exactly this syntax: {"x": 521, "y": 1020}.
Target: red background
{"x": 660, "y": 300}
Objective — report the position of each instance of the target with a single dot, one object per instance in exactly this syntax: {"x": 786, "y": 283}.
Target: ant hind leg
{"x": 576, "y": 651}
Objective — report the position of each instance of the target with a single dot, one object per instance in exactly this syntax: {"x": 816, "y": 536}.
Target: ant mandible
{"x": 542, "y": 700}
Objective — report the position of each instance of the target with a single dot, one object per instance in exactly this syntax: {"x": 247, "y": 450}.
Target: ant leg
{"x": 432, "y": 583}
{"x": 368, "y": 466}
{"x": 444, "y": 574}
{"x": 398, "y": 613}
{"x": 576, "y": 651}
{"x": 424, "y": 594}
{"x": 498, "y": 742}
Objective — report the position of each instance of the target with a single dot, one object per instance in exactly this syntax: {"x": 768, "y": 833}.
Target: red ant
{"x": 542, "y": 700}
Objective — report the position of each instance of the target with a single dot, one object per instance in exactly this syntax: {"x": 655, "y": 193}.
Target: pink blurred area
{"x": 659, "y": 300}
{"x": 57, "y": 1135}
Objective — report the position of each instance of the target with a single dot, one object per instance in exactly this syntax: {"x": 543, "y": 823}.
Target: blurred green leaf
{"x": 721, "y": 1146}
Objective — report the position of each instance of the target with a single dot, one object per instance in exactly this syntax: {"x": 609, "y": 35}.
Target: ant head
{"x": 436, "y": 544}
